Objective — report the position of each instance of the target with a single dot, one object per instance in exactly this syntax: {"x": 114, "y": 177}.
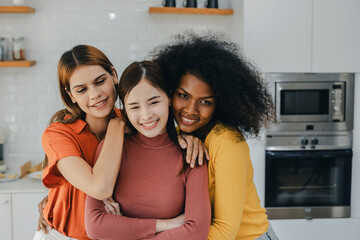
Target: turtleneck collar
{"x": 157, "y": 142}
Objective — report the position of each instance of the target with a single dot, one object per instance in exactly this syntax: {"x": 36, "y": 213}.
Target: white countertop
{"x": 24, "y": 185}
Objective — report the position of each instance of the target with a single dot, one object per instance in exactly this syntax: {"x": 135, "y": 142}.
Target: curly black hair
{"x": 243, "y": 100}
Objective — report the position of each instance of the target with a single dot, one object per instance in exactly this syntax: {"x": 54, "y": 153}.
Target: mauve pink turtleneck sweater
{"x": 149, "y": 187}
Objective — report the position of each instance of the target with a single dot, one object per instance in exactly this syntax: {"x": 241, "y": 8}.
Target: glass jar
{"x": 2, "y": 48}
{"x": 1, "y": 154}
{"x": 18, "y": 48}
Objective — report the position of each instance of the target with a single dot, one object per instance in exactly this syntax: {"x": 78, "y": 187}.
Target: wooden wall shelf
{"x": 174, "y": 10}
{"x": 16, "y": 9}
{"x": 17, "y": 63}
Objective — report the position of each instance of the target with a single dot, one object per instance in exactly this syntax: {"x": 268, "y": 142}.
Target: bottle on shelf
{"x": 2, "y": 48}
{"x": 18, "y": 48}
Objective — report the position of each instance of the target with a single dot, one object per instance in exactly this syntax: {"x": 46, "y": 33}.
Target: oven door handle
{"x": 309, "y": 154}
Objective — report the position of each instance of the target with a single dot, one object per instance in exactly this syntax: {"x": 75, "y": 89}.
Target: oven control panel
{"x": 311, "y": 141}
{"x": 308, "y": 141}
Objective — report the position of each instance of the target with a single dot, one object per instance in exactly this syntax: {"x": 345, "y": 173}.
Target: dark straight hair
{"x": 152, "y": 73}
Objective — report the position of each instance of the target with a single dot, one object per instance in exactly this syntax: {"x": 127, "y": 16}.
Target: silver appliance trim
{"x": 315, "y": 123}
{"x": 305, "y": 141}
{"x": 289, "y": 148}
{"x": 308, "y": 77}
{"x": 308, "y": 212}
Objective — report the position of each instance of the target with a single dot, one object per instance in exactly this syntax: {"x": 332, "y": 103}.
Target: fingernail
{"x": 188, "y": 160}
{"x": 192, "y": 165}
{"x": 200, "y": 163}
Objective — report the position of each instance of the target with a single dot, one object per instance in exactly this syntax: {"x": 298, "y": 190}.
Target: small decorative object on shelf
{"x": 190, "y": 3}
{"x": 211, "y": 4}
{"x": 18, "y": 48}
{"x": 2, "y": 141}
{"x": 18, "y": 2}
{"x": 169, "y": 3}
{"x": 2, "y": 48}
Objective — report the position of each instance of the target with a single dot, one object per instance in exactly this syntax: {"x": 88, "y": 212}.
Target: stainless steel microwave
{"x": 312, "y": 101}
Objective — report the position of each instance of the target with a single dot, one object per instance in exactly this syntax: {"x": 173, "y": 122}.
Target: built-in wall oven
{"x": 309, "y": 151}
{"x": 319, "y": 181}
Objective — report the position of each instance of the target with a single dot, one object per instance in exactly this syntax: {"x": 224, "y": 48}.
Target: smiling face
{"x": 147, "y": 109}
{"x": 92, "y": 88}
{"x": 193, "y": 103}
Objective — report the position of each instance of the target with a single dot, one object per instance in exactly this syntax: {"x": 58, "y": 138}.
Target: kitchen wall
{"x": 123, "y": 29}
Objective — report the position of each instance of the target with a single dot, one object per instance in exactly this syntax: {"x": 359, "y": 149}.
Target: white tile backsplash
{"x": 123, "y": 29}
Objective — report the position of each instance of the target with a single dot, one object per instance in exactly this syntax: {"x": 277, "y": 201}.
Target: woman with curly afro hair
{"x": 220, "y": 98}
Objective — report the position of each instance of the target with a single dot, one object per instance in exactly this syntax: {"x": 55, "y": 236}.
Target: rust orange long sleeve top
{"x": 149, "y": 187}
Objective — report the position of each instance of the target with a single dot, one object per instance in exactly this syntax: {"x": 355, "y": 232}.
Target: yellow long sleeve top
{"x": 235, "y": 204}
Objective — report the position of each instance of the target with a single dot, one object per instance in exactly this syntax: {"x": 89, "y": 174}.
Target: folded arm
{"x": 97, "y": 181}
{"x": 197, "y": 209}
{"x": 101, "y": 224}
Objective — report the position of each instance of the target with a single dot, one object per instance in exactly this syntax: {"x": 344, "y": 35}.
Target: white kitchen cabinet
{"x": 303, "y": 35}
{"x": 25, "y": 214}
{"x": 336, "y": 36}
{"x": 277, "y": 34}
{"x": 322, "y": 228}
{"x": 18, "y": 208}
{"x": 5, "y": 216}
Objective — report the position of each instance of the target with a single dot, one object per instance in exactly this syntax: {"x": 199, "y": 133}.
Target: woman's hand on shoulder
{"x": 115, "y": 126}
{"x": 116, "y": 123}
{"x": 195, "y": 149}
